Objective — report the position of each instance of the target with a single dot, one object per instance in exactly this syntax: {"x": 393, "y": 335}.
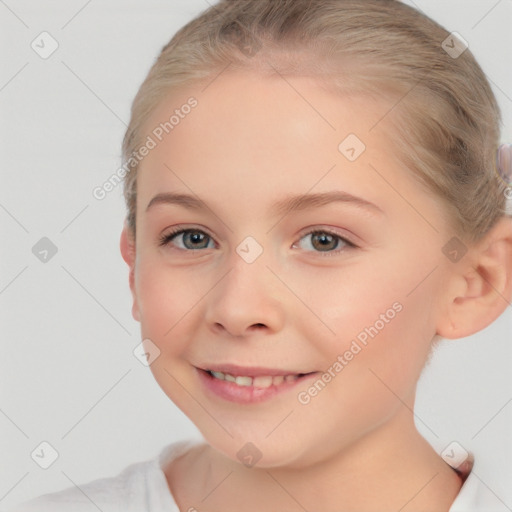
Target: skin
{"x": 251, "y": 141}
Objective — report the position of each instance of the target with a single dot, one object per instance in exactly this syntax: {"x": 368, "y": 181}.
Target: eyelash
{"x": 167, "y": 238}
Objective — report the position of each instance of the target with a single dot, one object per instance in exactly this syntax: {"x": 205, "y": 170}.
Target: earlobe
{"x": 484, "y": 284}
{"x": 127, "y": 246}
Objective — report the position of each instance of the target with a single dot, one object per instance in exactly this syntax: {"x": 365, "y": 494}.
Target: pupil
{"x": 324, "y": 240}
{"x": 195, "y": 237}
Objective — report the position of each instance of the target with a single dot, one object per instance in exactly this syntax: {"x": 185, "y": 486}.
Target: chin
{"x": 260, "y": 453}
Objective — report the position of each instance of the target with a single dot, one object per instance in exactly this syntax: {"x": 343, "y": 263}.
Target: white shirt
{"x": 142, "y": 487}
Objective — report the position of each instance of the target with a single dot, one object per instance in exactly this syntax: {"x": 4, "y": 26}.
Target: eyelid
{"x": 186, "y": 227}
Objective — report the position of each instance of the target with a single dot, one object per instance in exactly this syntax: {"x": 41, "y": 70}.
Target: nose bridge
{"x": 248, "y": 293}
{"x": 248, "y": 275}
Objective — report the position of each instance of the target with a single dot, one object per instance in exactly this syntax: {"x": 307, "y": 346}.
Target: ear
{"x": 127, "y": 246}
{"x": 481, "y": 287}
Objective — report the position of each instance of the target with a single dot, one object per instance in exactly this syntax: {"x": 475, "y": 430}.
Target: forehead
{"x": 261, "y": 136}
{"x": 248, "y": 101}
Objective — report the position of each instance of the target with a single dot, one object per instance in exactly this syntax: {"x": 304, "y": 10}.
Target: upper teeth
{"x": 258, "y": 382}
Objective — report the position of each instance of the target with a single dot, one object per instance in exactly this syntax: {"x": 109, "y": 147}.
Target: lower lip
{"x": 246, "y": 394}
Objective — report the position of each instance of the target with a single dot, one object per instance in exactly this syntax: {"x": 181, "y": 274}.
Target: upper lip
{"x": 248, "y": 371}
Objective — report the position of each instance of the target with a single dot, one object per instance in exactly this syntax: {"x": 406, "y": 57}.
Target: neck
{"x": 391, "y": 468}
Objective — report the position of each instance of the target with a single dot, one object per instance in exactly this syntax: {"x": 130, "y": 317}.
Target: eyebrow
{"x": 282, "y": 207}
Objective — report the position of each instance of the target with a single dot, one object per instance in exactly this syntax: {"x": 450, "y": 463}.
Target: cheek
{"x": 368, "y": 381}
{"x": 396, "y": 350}
{"x": 372, "y": 366}
{"x": 352, "y": 297}
{"x": 379, "y": 317}
{"x": 166, "y": 298}
{"x": 168, "y": 304}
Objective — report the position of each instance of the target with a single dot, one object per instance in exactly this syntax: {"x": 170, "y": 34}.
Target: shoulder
{"x": 140, "y": 486}
{"x": 124, "y": 492}
{"x": 475, "y": 495}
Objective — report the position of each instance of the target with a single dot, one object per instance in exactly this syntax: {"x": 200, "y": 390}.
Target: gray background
{"x": 67, "y": 372}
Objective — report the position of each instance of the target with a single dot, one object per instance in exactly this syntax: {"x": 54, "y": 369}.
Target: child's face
{"x": 297, "y": 308}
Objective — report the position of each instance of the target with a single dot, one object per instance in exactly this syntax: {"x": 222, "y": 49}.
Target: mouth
{"x": 260, "y": 381}
{"x": 249, "y": 385}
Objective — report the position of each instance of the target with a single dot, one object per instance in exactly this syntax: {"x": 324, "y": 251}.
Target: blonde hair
{"x": 445, "y": 118}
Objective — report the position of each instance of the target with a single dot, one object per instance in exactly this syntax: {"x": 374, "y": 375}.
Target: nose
{"x": 248, "y": 298}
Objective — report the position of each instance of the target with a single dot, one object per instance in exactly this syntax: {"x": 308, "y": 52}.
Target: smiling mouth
{"x": 261, "y": 381}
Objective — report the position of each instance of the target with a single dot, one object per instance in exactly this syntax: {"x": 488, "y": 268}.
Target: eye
{"x": 325, "y": 241}
{"x": 322, "y": 241}
{"x": 191, "y": 239}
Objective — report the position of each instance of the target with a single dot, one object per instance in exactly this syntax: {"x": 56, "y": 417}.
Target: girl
{"x": 313, "y": 203}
